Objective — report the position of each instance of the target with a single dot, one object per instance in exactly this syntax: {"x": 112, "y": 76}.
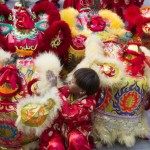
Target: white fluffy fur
{"x": 145, "y": 50}
{"x": 147, "y": 68}
{"x": 93, "y": 46}
{"x": 94, "y": 56}
{"x": 106, "y": 80}
{"x": 53, "y": 113}
{"x": 43, "y": 63}
{"x": 147, "y": 74}
{"x": 4, "y": 56}
{"x": 48, "y": 61}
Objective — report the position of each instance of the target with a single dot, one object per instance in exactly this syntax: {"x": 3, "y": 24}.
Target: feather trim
{"x": 43, "y": 63}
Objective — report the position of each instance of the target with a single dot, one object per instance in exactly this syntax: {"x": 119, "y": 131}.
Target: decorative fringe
{"x": 65, "y": 38}
{"x": 107, "y": 129}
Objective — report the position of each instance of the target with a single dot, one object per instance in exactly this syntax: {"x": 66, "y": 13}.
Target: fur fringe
{"x": 145, "y": 50}
{"x": 147, "y": 74}
{"x": 118, "y": 67}
{"x": 53, "y": 113}
{"x": 94, "y": 46}
{"x": 43, "y": 63}
{"x": 94, "y": 57}
{"x": 107, "y": 130}
{"x": 70, "y": 19}
{"x": 147, "y": 68}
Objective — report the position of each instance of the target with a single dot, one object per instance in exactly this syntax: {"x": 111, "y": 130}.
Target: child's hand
{"x": 51, "y": 78}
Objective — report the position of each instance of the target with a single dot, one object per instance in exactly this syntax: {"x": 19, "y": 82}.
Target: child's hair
{"x": 87, "y": 79}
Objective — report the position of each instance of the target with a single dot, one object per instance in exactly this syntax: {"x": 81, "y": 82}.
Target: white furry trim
{"x": 53, "y": 113}
{"x": 48, "y": 61}
{"x": 94, "y": 57}
{"x": 93, "y": 46}
{"x": 83, "y": 64}
{"x": 95, "y": 62}
{"x": 147, "y": 74}
{"x": 107, "y": 129}
{"x": 43, "y": 63}
{"x": 147, "y": 68}
{"x": 31, "y": 146}
{"x": 106, "y": 80}
{"x": 145, "y": 50}
{"x": 4, "y": 56}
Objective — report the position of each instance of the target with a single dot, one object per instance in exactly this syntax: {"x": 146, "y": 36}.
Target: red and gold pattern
{"x": 10, "y": 81}
{"x": 27, "y": 37}
{"x": 109, "y": 70}
{"x": 129, "y": 101}
{"x": 75, "y": 123}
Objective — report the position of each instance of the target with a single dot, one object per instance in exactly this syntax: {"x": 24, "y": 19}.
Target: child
{"x": 75, "y": 118}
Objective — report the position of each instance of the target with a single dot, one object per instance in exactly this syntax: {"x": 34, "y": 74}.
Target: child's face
{"x": 73, "y": 87}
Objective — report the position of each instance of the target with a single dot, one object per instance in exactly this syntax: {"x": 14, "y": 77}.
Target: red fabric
{"x": 119, "y": 6}
{"x": 56, "y": 143}
{"x": 77, "y": 115}
{"x": 77, "y": 4}
{"x": 24, "y": 20}
{"x": 74, "y": 123}
{"x": 77, "y": 141}
{"x": 4, "y": 10}
{"x": 51, "y": 140}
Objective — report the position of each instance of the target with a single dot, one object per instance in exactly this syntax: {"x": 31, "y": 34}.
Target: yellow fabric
{"x": 35, "y": 114}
